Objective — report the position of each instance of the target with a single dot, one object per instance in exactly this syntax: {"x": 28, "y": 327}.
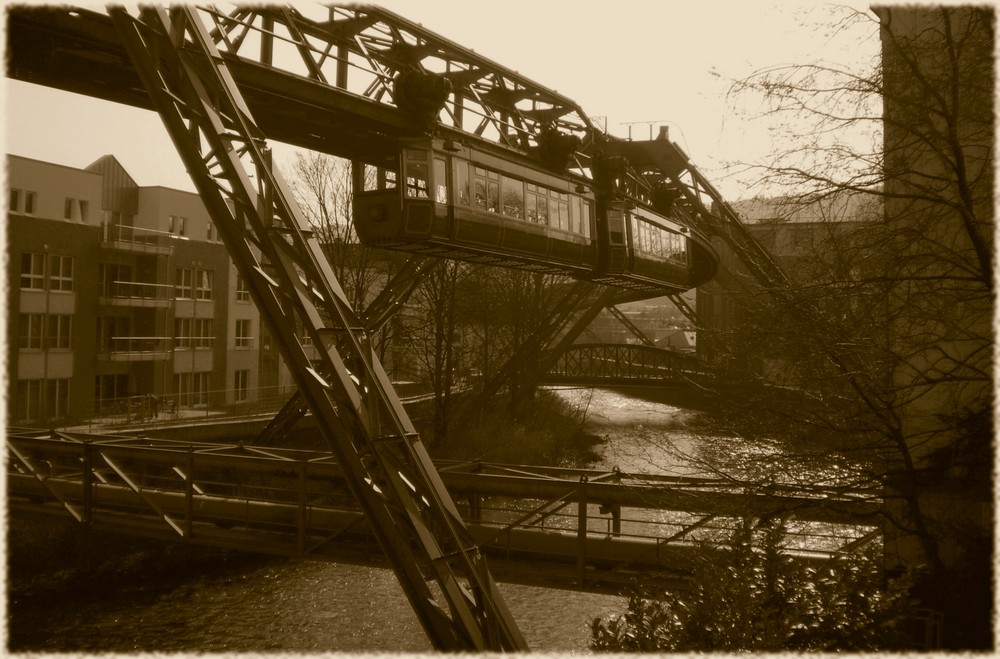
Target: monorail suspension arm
{"x": 385, "y": 464}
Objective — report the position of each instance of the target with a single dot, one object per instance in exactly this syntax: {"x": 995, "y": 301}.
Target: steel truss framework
{"x": 386, "y": 466}
{"x": 585, "y": 362}
{"x": 307, "y": 78}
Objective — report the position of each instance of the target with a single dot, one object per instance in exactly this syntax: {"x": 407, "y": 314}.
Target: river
{"x": 305, "y": 606}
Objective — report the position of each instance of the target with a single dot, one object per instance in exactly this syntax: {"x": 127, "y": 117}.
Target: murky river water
{"x": 323, "y": 607}
{"x": 300, "y": 607}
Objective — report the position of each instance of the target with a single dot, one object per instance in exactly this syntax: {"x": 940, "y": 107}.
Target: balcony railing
{"x": 139, "y": 239}
{"x": 136, "y": 348}
{"x": 187, "y": 342}
{"x": 136, "y": 293}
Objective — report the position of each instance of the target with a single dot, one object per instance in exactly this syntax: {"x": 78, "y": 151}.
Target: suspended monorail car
{"x": 454, "y": 201}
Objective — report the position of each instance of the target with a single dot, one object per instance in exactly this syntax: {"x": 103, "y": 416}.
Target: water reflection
{"x": 282, "y": 607}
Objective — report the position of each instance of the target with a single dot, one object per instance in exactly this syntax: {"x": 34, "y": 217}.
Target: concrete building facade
{"x": 122, "y": 300}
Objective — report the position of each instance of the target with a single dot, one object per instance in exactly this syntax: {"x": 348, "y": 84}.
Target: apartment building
{"x": 121, "y": 298}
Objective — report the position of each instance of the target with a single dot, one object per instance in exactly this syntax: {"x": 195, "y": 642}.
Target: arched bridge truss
{"x": 622, "y": 363}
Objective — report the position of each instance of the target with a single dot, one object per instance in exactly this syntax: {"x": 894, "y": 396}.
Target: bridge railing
{"x": 583, "y": 528}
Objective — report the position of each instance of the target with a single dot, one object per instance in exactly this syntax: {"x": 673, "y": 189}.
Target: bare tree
{"x": 434, "y": 333}
{"x": 323, "y": 188}
{"x": 885, "y": 340}
{"x": 324, "y": 191}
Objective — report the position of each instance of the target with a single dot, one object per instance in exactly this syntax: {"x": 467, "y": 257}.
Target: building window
{"x": 183, "y": 284}
{"x": 57, "y": 401}
{"x": 111, "y": 330}
{"x": 108, "y": 389}
{"x": 182, "y": 389}
{"x": 32, "y": 271}
{"x": 241, "y": 385}
{"x": 192, "y": 388}
{"x": 200, "y": 387}
{"x": 242, "y": 291}
{"x": 243, "y": 338}
{"x": 177, "y": 224}
{"x": 61, "y": 273}
{"x": 193, "y": 333}
{"x": 29, "y": 400}
{"x": 205, "y": 280}
{"x": 60, "y": 332}
{"x": 182, "y": 333}
{"x": 30, "y": 331}
{"x": 204, "y": 332}
{"x": 17, "y": 197}
{"x": 75, "y": 209}
{"x": 209, "y": 230}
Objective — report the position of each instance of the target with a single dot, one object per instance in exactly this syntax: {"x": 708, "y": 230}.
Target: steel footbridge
{"x": 563, "y": 528}
{"x": 355, "y": 84}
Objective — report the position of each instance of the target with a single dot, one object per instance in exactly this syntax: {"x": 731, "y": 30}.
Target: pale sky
{"x": 627, "y": 61}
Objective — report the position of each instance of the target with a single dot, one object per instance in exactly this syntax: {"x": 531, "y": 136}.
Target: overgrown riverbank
{"x": 551, "y": 433}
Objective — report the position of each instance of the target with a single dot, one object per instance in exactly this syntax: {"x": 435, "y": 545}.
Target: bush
{"x": 753, "y": 596}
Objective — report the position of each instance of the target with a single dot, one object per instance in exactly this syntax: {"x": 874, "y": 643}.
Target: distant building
{"x": 679, "y": 340}
{"x": 122, "y": 299}
{"x": 800, "y": 238}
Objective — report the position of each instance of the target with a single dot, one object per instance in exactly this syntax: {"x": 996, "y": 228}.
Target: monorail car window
{"x": 541, "y": 207}
{"x": 369, "y": 180}
{"x": 513, "y": 197}
{"x": 460, "y": 170}
{"x": 581, "y": 216}
{"x": 440, "y": 182}
{"x": 562, "y": 203}
{"x": 377, "y": 178}
{"x": 678, "y": 248}
{"x": 487, "y": 189}
{"x": 616, "y": 226}
{"x": 416, "y": 173}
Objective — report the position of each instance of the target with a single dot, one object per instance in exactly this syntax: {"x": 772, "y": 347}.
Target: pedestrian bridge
{"x": 624, "y": 364}
{"x": 564, "y": 528}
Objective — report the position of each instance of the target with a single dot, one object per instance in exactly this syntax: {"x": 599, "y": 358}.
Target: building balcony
{"x": 136, "y": 349}
{"x": 137, "y": 239}
{"x": 196, "y": 342}
{"x": 136, "y": 294}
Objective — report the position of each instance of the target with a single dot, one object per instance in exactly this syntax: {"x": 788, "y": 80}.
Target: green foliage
{"x": 552, "y": 434}
{"x": 753, "y": 596}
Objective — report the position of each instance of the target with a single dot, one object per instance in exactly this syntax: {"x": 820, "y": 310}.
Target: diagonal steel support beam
{"x": 630, "y": 326}
{"x": 388, "y": 303}
{"x": 386, "y": 467}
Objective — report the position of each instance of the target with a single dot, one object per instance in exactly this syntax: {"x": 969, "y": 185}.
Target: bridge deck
{"x": 557, "y": 527}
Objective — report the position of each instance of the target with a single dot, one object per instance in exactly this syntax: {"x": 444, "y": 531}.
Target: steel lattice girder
{"x": 387, "y": 467}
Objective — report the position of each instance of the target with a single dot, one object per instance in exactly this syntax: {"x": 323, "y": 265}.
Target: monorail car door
{"x": 377, "y": 210}
{"x": 418, "y": 208}
{"x": 441, "y": 196}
